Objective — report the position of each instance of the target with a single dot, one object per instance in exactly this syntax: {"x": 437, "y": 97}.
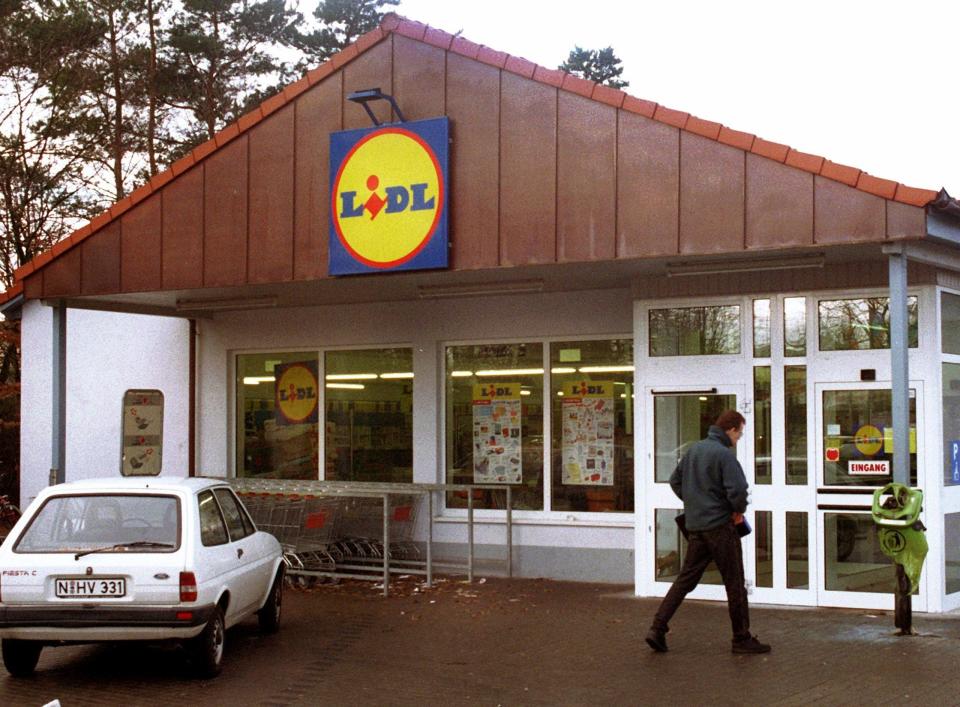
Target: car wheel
{"x": 269, "y": 615}
{"x": 20, "y": 657}
{"x": 207, "y": 648}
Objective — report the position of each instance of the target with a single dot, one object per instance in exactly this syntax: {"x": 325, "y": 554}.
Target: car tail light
{"x": 188, "y": 586}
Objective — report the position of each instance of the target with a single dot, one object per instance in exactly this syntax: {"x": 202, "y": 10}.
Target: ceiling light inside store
{"x": 525, "y": 392}
{"x": 563, "y": 370}
{"x": 461, "y": 374}
{"x": 351, "y": 376}
{"x": 347, "y": 386}
{"x": 607, "y": 369}
{"x": 393, "y": 376}
{"x": 512, "y": 372}
{"x": 257, "y": 380}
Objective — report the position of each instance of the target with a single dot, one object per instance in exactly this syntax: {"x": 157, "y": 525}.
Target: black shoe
{"x": 658, "y": 640}
{"x": 750, "y": 645}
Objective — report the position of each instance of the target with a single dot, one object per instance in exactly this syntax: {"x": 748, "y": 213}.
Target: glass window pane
{"x": 592, "y": 413}
{"x": 761, "y": 328}
{"x": 950, "y": 323}
{"x": 795, "y": 402}
{"x": 798, "y": 551}
{"x": 679, "y": 421}
{"x": 695, "y": 331}
{"x": 763, "y": 466}
{"x": 369, "y": 415}
{"x": 232, "y": 514}
{"x": 951, "y": 424}
{"x": 854, "y": 561}
{"x": 858, "y": 437}
{"x": 671, "y": 548}
{"x": 951, "y": 527}
{"x": 494, "y": 424}
{"x": 795, "y": 326}
{"x": 849, "y": 324}
{"x": 763, "y": 534}
{"x": 212, "y": 529}
{"x": 277, "y": 417}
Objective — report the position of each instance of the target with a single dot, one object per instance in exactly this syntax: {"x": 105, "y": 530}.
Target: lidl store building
{"x": 519, "y": 278}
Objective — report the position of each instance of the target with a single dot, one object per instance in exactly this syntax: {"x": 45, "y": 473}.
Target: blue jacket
{"x": 710, "y": 482}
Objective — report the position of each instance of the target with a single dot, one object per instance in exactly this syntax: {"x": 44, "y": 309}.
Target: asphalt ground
{"x": 517, "y": 642}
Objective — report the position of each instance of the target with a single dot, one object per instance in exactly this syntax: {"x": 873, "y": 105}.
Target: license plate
{"x": 90, "y": 587}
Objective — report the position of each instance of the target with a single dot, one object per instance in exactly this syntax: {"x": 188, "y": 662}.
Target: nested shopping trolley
{"x": 361, "y": 528}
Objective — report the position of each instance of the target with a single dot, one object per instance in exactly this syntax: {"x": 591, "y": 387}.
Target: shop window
{"x": 369, "y": 415}
{"x": 763, "y": 537}
{"x": 494, "y": 422}
{"x": 679, "y": 421}
{"x": 592, "y": 418}
{"x": 671, "y": 549}
{"x": 853, "y": 560}
{"x": 795, "y": 422}
{"x": 858, "y": 437}
{"x": 277, "y": 416}
{"x": 951, "y": 529}
{"x": 950, "y": 323}
{"x": 798, "y": 551}
{"x": 795, "y": 326}
{"x": 761, "y": 328}
{"x": 854, "y": 324}
{"x": 762, "y": 426}
{"x": 951, "y": 424}
{"x": 695, "y": 331}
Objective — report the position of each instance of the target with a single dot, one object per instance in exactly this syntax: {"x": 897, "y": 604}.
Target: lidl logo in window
{"x": 296, "y": 392}
{"x": 388, "y": 207}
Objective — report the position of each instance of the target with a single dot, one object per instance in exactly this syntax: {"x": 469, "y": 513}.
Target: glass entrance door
{"x": 854, "y": 449}
{"x": 680, "y": 417}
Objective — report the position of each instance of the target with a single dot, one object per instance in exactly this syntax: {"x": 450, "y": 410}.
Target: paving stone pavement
{"x": 518, "y": 642}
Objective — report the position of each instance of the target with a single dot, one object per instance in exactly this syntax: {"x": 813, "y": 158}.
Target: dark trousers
{"x": 722, "y": 545}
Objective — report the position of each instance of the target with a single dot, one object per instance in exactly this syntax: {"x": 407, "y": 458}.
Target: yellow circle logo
{"x": 387, "y": 197}
{"x": 868, "y": 440}
{"x": 296, "y": 392}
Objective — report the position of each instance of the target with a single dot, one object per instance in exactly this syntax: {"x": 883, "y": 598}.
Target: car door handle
{"x": 239, "y": 552}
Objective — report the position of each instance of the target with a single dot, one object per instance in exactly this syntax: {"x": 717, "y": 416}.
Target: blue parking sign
{"x": 955, "y": 460}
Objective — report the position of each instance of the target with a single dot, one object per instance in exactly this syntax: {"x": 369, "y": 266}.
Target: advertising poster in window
{"x": 496, "y": 434}
{"x": 142, "y": 433}
{"x": 588, "y": 433}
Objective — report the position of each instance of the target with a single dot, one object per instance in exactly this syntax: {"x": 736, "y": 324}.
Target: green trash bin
{"x": 896, "y": 511}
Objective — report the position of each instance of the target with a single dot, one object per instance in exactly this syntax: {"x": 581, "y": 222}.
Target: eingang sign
{"x": 388, "y": 198}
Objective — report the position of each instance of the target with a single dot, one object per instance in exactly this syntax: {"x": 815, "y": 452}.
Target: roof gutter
{"x": 943, "y": 219}
{"x": 12, "y": 308}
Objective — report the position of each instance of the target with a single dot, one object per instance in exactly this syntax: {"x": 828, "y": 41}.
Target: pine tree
{"x": 342, "y": 21}
{"x": 598, "y": 65}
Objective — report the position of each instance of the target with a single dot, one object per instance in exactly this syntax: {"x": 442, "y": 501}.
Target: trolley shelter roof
{"x": 552, "y": 177}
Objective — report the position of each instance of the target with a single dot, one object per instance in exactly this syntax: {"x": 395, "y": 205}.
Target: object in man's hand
{"x": 742, "y": 526}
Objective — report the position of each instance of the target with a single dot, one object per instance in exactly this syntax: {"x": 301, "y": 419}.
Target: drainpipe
{"x": 192, "y": 404}
{"x": 58, "y": 389}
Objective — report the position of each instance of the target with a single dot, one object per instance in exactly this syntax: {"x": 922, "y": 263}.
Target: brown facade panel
{"x": 905, "y": 221}
{"x": 473, "y": 106}
{"x": 225, "y": 216}
{"x": 101, "y": 261}
{"x": 418, "y": 78}
{"x": 182, "y": 237}
{"x": 845, "y": 215}
{"x": 62, "y": 277}
{"x": 271, "y": 199}
{"x": 372, "y": 69}
{"x": 33, "y": 286}
{"x": 318, "y": 114}
{"x": 779, "y": 205}
{"x": 711, "y": 196}
{"x": 586, "y": 179}
{"x": 140, "y": 244}
{"x": 528, "y": 165}
{"x": 648, "y": 187}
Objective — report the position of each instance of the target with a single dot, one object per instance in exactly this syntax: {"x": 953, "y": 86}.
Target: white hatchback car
{"x": 135, "y": 559}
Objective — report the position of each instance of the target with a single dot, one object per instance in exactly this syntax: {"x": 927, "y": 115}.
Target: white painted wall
{"x": 107, "y": 354}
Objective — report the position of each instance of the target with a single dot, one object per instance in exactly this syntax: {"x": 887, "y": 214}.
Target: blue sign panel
{"x": 389, "y": 197}
{"x": 955, "y": 460}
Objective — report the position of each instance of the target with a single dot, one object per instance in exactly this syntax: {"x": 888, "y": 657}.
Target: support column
{"x": 58, "y": 389}
{"x": 899, "y": 366}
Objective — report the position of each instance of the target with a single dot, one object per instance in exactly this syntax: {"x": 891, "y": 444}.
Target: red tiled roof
{"x": 392, "y": 22}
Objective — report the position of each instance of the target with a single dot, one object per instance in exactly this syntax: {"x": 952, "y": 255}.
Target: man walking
{"x": 710, "y": 482}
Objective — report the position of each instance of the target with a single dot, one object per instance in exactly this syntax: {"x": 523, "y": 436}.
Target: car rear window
{"x": 91, "y": 521}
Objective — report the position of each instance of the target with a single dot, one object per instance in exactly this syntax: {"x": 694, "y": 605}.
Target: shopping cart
{"x": 361, "y": 529}
{"x": 319, "y": 521}
{"x": 280, "y": 516}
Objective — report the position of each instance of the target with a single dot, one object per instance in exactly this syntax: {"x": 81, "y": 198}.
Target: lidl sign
{"x": 388, "y": 197}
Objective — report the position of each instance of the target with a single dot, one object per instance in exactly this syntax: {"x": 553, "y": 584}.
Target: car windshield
{"x": 104, "y": 522}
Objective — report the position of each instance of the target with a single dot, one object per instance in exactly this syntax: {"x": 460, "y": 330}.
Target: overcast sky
{"x": 868, "y": 84}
